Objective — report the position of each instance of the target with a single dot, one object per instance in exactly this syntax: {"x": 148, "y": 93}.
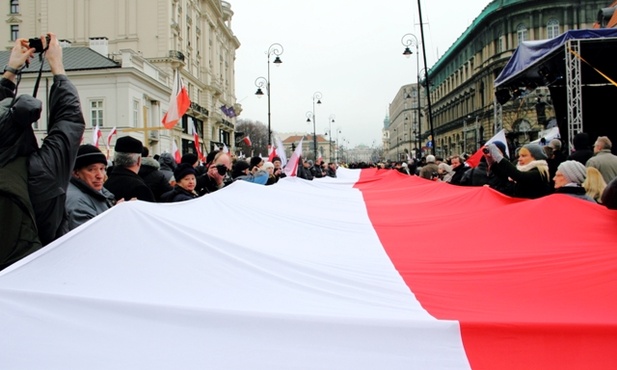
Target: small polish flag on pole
{"x": 96, "y": 135}
{"x": 176, "y": 152}
{"x": 108, "y": 142}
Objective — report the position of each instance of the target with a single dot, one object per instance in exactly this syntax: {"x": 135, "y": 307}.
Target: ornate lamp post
{"x": 262, "y": 82}
{"x": 408, "y": 40}
{"x": 427, "y": 80}
{"x": 330, "y": 121}
{"x": 310, "y": 116}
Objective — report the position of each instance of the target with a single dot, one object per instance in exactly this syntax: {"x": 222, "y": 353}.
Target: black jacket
{"x": 154, "y": 178}
{"x": 178, "y": 194}
{"x": 124, "y": 183}
{"x": 50, "y": 167}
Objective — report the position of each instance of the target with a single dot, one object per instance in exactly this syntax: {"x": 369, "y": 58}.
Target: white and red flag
{"x": 176, "y": 152}
{"x": 108, "y": 140}
{"x": 96, "y": 135}
{"x": 200, "y": 154}
{"x": 247, "y": 141}
{"x": 363, "y": 296}
{"x": 474, "y": 160}
{"x": 178, "y": 104}
{"x": 340, "y": 286}
{"x": 291, "y": 168}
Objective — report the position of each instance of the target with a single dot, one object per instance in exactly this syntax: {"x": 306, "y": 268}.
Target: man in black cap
{"x": 124, "y": 181}
{"x": 33, "y": 179}
{"x": 86, "y": 197}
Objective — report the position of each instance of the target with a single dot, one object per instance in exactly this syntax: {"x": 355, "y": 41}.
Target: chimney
{"x": 100, "y": 45}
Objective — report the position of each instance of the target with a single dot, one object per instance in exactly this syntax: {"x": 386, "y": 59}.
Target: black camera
{"x": 485, "y": 150}
{"x": 37, "y": 44}
{"x": 221, "y": 169}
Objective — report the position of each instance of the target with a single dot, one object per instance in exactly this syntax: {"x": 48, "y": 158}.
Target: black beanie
{"x": 238, "y": 168}
{"x": 183, "y": 170}
{"x": 88, "y": 154}
{"x": 255, "y": 161}
{"x": 189, "y": 158}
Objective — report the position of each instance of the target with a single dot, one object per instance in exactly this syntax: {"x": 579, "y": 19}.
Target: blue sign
{"x": 429, "y": 144}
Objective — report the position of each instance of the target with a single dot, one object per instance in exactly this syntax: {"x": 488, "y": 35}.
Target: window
{"x": 14, "y": 6}
{"x": 499, "y": 43}
{"x": 14, "y": 32}
{"x": 96, "y": 112}
{"x": 135, "y": 113}
{"x": 552, "y": 28}
{"x": 521, "y": 33}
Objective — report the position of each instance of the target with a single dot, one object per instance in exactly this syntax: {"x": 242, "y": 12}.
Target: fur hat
{"x": 183, "y": 170}
{"x": 88, "y": 154}
{"x": 189, "y": 158}
{"x": 128, "y": 144}
{"x": 573, "y": 171}
{"x": 536, "y": 151}
{"x": 430, "y": 158}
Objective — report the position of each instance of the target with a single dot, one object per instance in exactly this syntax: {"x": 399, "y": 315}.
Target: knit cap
{"x": 536, "y": 151}
{"x": 573, "y": 171}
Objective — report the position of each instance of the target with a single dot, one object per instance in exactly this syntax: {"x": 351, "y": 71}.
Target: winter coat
{"x": 260, "y": 177}
{"x": 126, "y": 184}
{"x": 429, "y": 171}
{"x": 155, "y": 179}
{"x": 609, "y": 196}
{"x": 84, "y": 203}
{"x": 605, "y": 162}
{"x": 582, "y": 147}
{"x": 459, "y": 172}
{"x": 178, "y": 194}
{"x": 167, "y": 165}
{"x": 50, "y": 166}
{"x": 575, "y": 191}
{"x": 18, "y": 232}
{"x": 529, "y": 181}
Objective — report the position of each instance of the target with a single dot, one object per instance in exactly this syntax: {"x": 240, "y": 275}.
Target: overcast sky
{"x": 349, "y": 51}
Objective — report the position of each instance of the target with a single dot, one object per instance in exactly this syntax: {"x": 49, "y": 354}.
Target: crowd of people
{"x": 588, "y": 173}
{"x": 48, "y": 190}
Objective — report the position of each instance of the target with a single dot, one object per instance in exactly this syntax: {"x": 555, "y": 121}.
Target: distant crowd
{"x": 588, "y": 173}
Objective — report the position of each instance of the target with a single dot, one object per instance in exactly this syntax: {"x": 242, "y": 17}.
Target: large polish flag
{"x": 178, "y": 104}
{"x": 390, "y": 283}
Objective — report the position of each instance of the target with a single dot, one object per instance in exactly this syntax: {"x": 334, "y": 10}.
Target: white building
{"x": 139, "y": 44}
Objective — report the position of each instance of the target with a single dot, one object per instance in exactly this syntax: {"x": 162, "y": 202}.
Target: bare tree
{"x": 257, "y": 132}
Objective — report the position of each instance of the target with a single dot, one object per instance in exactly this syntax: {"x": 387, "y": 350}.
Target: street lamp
{"x": 409, "y": 39}
{"x": 262, "y": 82}
{"x": 311, "y": 117}
{"x": 330, "y": 121}
{"x": 428, "y": 83}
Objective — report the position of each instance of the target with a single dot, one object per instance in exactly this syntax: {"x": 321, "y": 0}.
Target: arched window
{"x": 521, "y": 33}
{"x": 552, "y": 28}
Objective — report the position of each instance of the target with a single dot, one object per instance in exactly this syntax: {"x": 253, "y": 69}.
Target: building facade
{"x": 405, "y": 122}
{"x": 461, "y": 82}
{"x": 149, "y": 40}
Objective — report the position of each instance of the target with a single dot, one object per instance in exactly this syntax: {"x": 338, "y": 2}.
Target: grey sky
{"x": 351, "y": 52}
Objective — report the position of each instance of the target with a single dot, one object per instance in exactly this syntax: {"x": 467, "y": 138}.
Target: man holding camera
{"x": 46, "y": 170}
{"x": 216, "y": 178}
